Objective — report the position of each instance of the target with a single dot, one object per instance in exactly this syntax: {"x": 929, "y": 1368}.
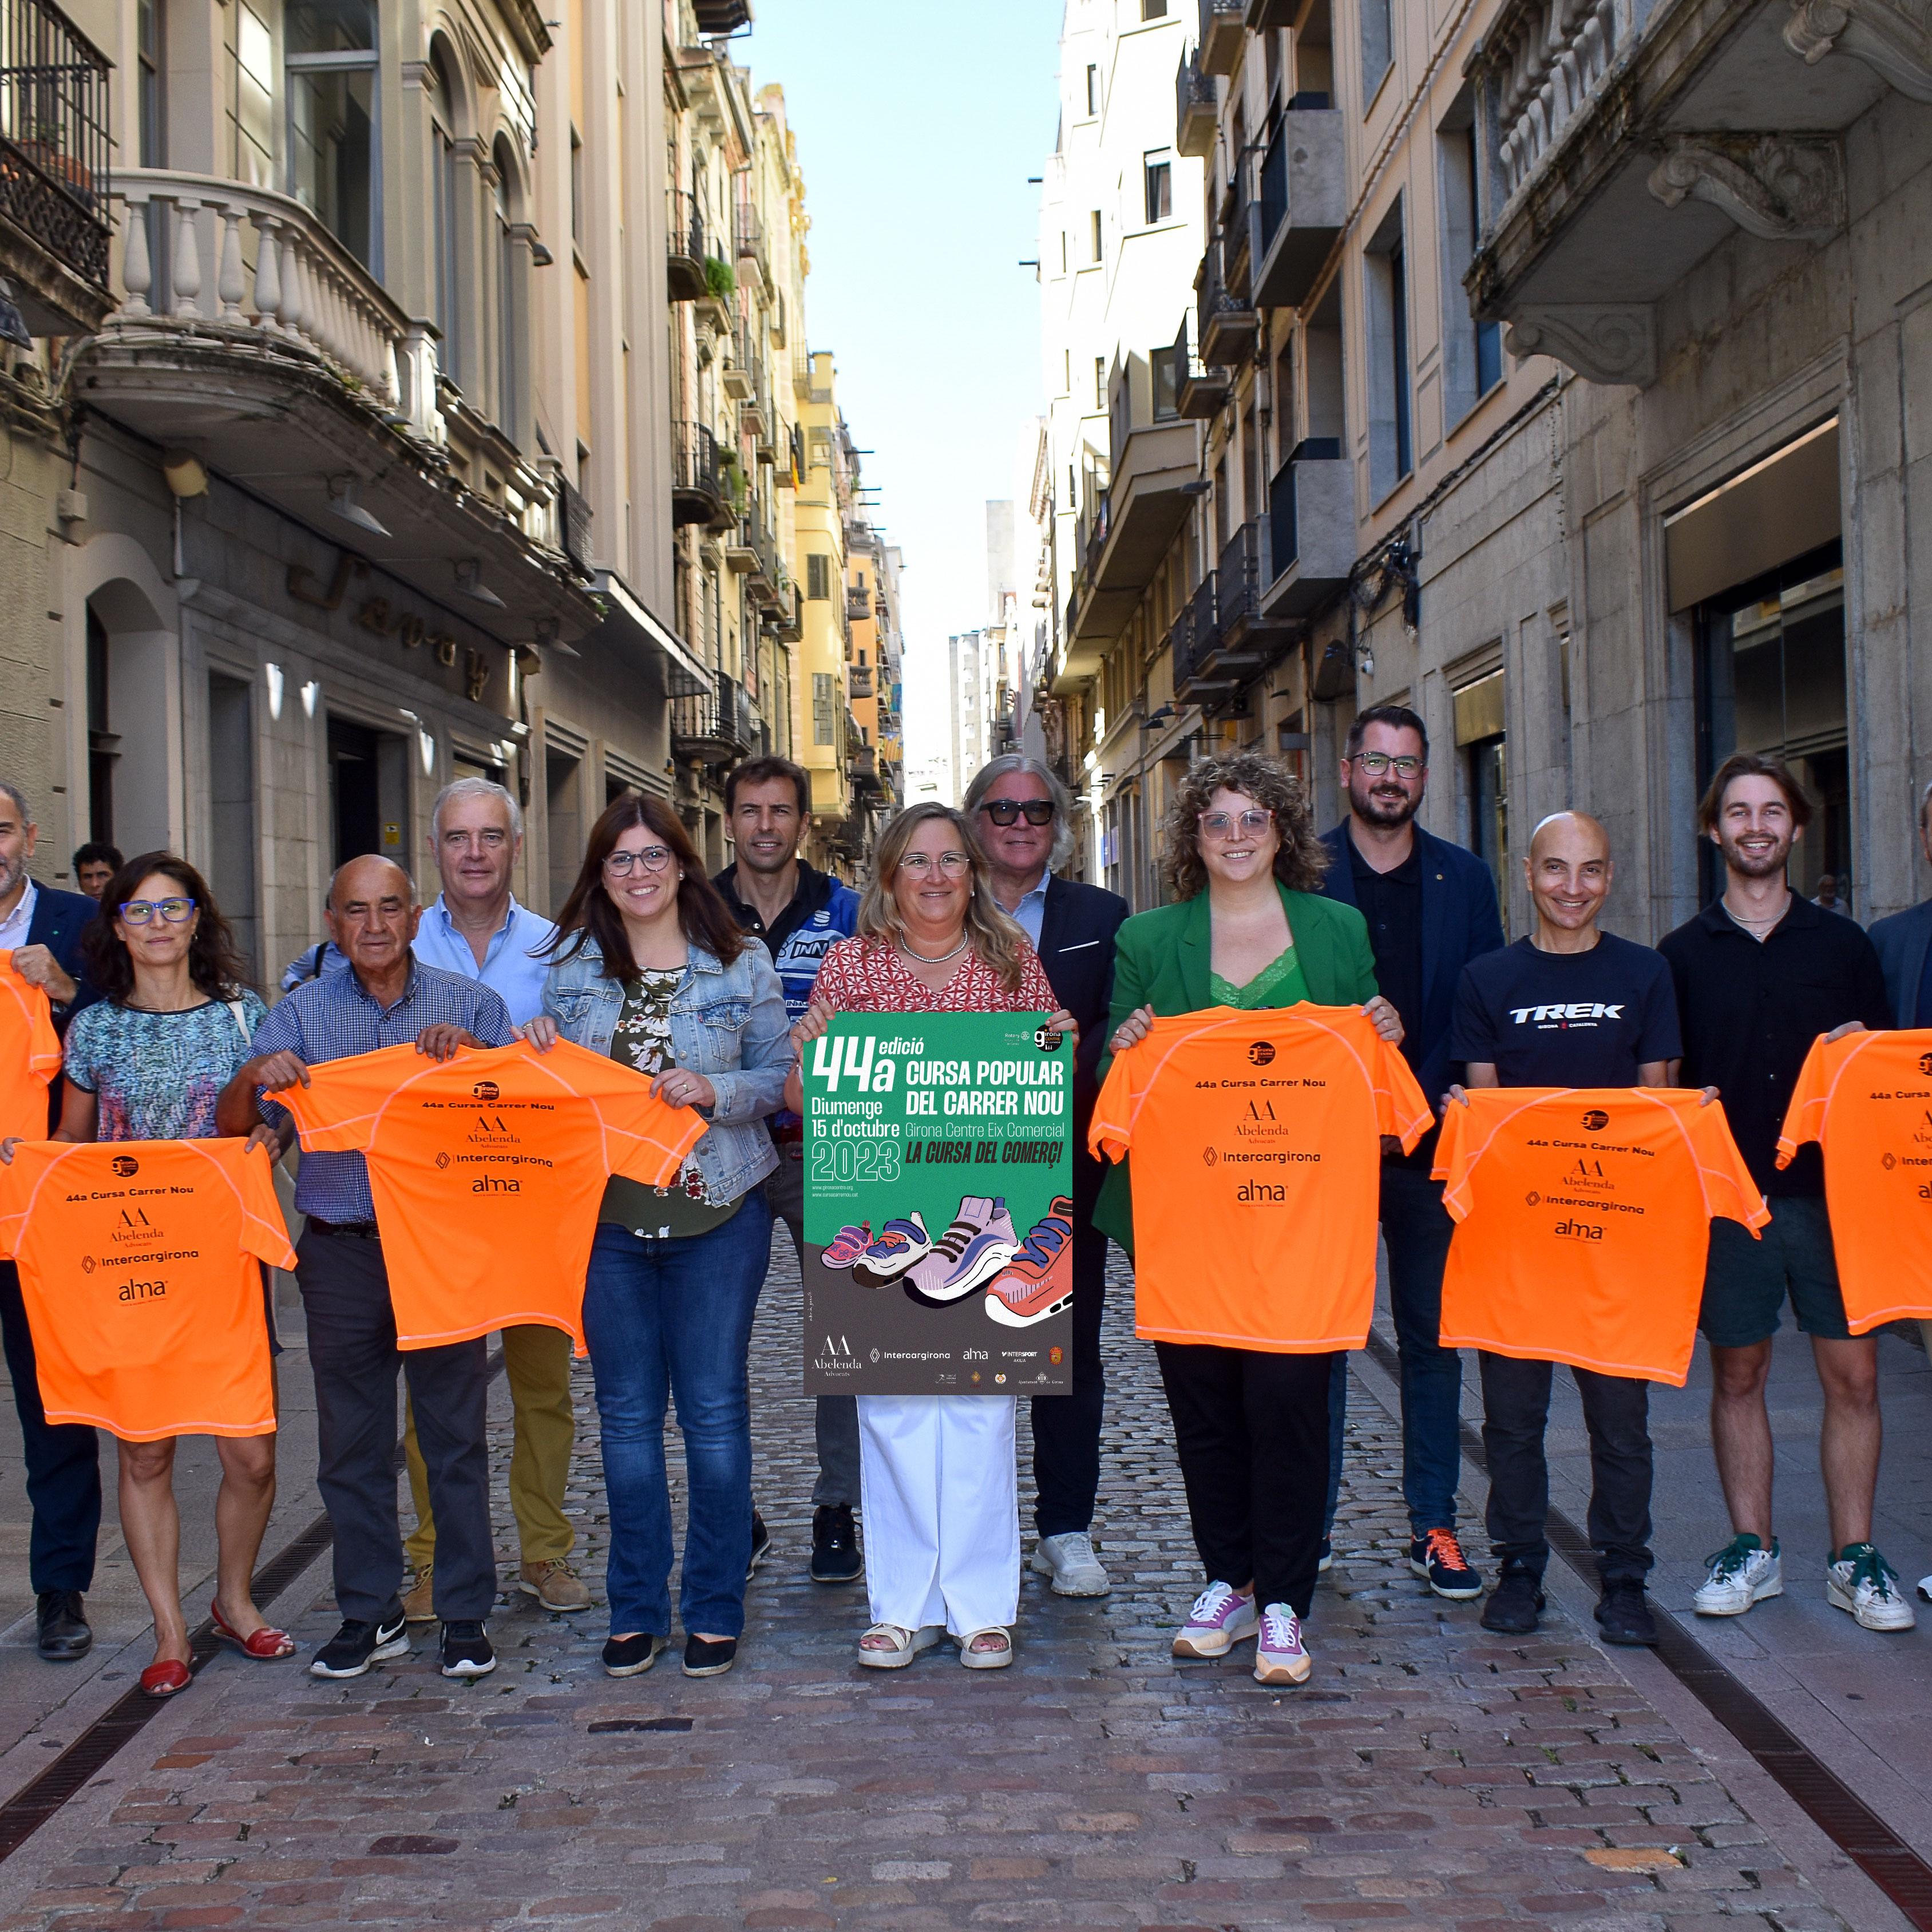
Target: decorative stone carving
{"x": 1893, "y": 37}
{"x": 1603, "y": 342}
{"x": 1783, "y": 188}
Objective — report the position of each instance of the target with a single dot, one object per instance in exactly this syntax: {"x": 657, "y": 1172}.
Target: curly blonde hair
{"x": 1302, "y": 859}
{"x": 997, "y": 939}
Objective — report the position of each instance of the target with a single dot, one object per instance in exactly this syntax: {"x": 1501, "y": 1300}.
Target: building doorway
{"x": 368, "y": 792}
{"x": 1770, "y": 679}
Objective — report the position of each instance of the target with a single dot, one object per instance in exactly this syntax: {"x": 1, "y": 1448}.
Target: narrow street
{"x": 1430, "y": 1775}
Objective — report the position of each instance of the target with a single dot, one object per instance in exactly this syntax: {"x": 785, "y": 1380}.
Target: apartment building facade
{"x": 369, "y": 429}
{"x": 1546, "y": 390}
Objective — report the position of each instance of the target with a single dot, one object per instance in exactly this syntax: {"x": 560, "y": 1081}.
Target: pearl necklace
{"x": 906, "y": 948}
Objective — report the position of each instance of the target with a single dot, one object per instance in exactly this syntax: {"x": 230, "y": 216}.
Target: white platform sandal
{"x": 987, "y": 1660}
{"x": 906, "y": 1644}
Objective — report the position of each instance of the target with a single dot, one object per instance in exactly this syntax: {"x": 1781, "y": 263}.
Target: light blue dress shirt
{"x": 514, "y": 965}
{"x": 1031, "y": 909}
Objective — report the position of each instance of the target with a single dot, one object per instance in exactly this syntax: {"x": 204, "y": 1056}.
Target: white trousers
{"x": 941, "y": 1501}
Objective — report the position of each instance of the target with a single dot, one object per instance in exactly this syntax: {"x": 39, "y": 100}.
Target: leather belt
{"x": 355, "y": 1231}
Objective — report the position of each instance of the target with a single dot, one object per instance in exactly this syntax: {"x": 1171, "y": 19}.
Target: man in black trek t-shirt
{"x": 1571, "y": 1005}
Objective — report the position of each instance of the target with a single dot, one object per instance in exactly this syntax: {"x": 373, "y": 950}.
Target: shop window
{"x": 1770, "y": 679}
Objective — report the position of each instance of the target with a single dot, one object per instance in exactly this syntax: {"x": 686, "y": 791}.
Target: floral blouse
{"x": 868, "y": 976}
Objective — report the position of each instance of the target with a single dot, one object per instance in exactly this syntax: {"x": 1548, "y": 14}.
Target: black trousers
{"x": 1252, "y": 1432}
{"x": 352, "y": 1349}
{"x": 1066, "y": 1428}
{"x": 63, "y": 1461}
{"x": 1616, "y": 1412}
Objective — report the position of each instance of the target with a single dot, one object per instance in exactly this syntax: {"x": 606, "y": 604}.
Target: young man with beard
{"x": 799, "y": 912}
{"x": 1760, "y": 973}
{"x": 1431, "y": 908}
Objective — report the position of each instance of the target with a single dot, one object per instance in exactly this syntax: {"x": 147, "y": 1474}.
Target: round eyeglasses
{"x": 1222, "y": 825}
{"x": 653, "y": 859}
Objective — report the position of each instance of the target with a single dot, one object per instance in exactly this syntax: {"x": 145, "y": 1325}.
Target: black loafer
{"x": 631, "y": 1656}
{"x": 1514, "y": 1604}
{"x": 65, "y": 1635}
{"x": 834, "y": 1545}
{"x": 705, "y": 1657}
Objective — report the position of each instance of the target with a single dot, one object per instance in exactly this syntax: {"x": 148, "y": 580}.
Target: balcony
{"x": 1264, "y": 14}
{"x": 1249, "y": 636}
{"x": 1200, "y": 392}
{"x": 1312, "y": 528}
{"x": 768, "y": 580}
{"x": 1224, "y": 28}
{"x": 1197, "y": 108}
{"x": 859, "y": 681}
{"x": 1304, "y": 201}
{"x": 858, "y": 604}
{"x": 861, "y": 764}
{"x": 722, "y": 17}
{"x": 300, "y": 377}
{"x": 1227, "y": 322}
{"x": 748, "y": 239}
{"x": 787, "y": 620}
{"x": 684, "y": 261}
{"x": 698, "y": 493}
{"x": 714, "y": 727}
{"x": 1193, "y": 639}
{"x": 1628, "y": 142}
{"x": 54, "y": 161}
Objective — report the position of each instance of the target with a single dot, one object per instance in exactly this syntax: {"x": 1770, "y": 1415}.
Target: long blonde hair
{"x": 996, "y": 938}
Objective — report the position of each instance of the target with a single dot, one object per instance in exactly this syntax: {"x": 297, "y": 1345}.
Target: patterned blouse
{"x": 157, "y": 1076}
{"x": 868, "y": 976}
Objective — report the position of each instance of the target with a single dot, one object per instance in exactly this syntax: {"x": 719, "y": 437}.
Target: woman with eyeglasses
{"x": 938, "y": 1485}
{"x": 147, "y": 1063}
{"x": 650, "y": 966}
{"x": 1249, "y": 929}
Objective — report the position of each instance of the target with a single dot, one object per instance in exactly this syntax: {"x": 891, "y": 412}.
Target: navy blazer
{"x": 59, "y": 920}
{"x": 1077, "y": 927}
{"x": 1903, "y": 941}
{"x": 1460, "y": 922}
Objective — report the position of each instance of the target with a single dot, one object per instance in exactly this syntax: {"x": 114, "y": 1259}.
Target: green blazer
{"x": 1161, "y": 960}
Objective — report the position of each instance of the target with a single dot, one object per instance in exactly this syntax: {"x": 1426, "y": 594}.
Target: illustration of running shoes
{"x": 849, "y": 1245}
{"x": 1039, "y": 1280}
{"x": 902, "y": 1242}
{"x": 979, "y": 1243}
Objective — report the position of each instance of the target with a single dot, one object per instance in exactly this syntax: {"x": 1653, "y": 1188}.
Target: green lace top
{"x": 1281, "y": 983}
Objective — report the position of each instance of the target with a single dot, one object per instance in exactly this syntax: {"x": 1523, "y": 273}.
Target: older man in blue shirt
{"x": 384, "y": 998}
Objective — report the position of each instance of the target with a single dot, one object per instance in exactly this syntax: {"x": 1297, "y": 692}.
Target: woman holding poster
{"x": 938, "y": 1486}
{"x": 1249, "y": 929}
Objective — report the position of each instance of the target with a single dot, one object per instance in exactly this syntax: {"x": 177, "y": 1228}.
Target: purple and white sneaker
{"x": 1280, "y": 1656}
{"x": 979, "y": 1243}
{"x": 1221, "y": 1617}
{"x": 902, "y": 1242}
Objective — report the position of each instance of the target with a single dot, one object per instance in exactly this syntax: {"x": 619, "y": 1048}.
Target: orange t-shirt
{"x": 1866, "y": 1100}
{"x": 1257, "y": 1144}
{"x": 138, "y": 1268}
{"x": 1583, "y": 1223}
{"x": 30, "y": 1053}
{"x": 487, "y": 1171}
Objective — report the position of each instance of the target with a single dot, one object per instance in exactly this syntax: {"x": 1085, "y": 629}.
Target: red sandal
{"x": 267, "y": 1645}
{"x": 167, "y": 1678}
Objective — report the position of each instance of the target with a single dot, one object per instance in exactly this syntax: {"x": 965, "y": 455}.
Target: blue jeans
{"x": 673, "y": 1318}
{"x": 1417, "y": 1228}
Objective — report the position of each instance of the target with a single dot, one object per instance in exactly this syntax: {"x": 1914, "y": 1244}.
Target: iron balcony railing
{"x": 685, "y": 247}
{"x": 1240, "y": 577}
{"x": 53, "y": 136}
{"x": 1196, "y": 103}
{"x": 717, "y": 724}
{"x": 698, "y": 493}
{"x": 1194, "y": 634}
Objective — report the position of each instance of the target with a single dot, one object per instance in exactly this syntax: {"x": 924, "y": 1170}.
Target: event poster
{"x": 938, "y": 1210}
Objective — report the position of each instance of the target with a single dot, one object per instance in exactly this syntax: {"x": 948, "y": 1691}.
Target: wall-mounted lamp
{"x": 469, "y": 581}
{"x": 342, "y": 502}
{"x": 311, "y": 693}
{"x": 271, "y": 675}
{"x": 184, "y": 473}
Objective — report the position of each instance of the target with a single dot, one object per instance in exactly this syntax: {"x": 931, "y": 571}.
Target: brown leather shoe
{"x": 554, "y": 1585}
{"x": 419, "y": 1605}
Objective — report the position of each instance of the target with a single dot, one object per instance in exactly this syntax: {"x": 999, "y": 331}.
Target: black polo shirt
{"x": 1391, "y": 903}
{"x": 1750, "y": 1010}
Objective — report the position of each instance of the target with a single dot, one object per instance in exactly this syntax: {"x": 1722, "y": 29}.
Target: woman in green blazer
{"x": 1249, "y": 927}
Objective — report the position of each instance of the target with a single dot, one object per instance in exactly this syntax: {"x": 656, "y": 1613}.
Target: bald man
{"x": 1569, "y": 1006}
{"x": 385, "y": 998}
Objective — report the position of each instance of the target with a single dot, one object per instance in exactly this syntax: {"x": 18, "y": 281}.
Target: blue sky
{"x": 918, "y": 124}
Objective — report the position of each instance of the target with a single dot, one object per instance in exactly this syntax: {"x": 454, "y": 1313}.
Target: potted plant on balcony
{"x": 721, "y": 281}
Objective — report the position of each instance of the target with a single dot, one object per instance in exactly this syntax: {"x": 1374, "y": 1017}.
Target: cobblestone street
{"x": 1429, "y": 1774}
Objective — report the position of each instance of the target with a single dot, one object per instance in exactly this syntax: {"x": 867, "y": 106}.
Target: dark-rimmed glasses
{"x": 138, "y": 912}
{"x": 1004, "y": 811}
{"x": 653, "y": 858}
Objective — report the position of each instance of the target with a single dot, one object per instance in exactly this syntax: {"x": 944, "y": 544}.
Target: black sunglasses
{"x": 1004, "y": 811}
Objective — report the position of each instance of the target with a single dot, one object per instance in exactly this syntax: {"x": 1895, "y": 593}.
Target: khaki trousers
{"x": 536, "y": 1363}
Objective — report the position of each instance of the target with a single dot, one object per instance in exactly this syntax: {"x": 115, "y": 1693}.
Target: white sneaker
{"x": 1220, "y": 1618}
{"x": 1741, "y": 1573}
{"x": 1069, "y": 1559}
{"x": 1281, "y": 1657}
{"x": 1861, "y": 1581}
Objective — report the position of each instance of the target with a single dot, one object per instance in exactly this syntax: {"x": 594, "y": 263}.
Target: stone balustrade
{"x": 303, "y": 290}
{"x": 1541, "y": 63}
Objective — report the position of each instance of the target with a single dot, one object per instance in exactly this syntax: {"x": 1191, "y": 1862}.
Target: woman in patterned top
{"x": 651, "y": 968}
{"x": 147, "y": 1063}
{"x": 941, "y": 1498}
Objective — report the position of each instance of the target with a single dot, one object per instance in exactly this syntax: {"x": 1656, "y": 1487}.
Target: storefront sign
{"x": 938, "y": 1179}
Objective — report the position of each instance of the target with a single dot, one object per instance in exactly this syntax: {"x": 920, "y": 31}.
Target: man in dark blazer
{"x": 1904, "y": 943}
{"x": 42, "y": 929}
{"x": 1431, "y": 908}
{"x": 1023, "y": 817}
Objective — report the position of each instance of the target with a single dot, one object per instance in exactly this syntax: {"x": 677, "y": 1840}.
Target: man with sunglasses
{"x": 1431, "y": 907}
{"x": 1023, "y": 817}
{"x": 41, "y": 928}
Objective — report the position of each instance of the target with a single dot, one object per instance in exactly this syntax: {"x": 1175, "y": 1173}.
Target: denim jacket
{"x": 727, "y": 1022}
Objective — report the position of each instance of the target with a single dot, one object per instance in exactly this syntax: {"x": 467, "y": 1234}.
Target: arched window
{"x": 446, "y": 190}
{"x": 331, "y": 57}
{"x": 509, "y": 295}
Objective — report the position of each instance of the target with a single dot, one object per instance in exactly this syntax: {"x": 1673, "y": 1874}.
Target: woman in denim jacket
{"x": 651, "y": 969}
